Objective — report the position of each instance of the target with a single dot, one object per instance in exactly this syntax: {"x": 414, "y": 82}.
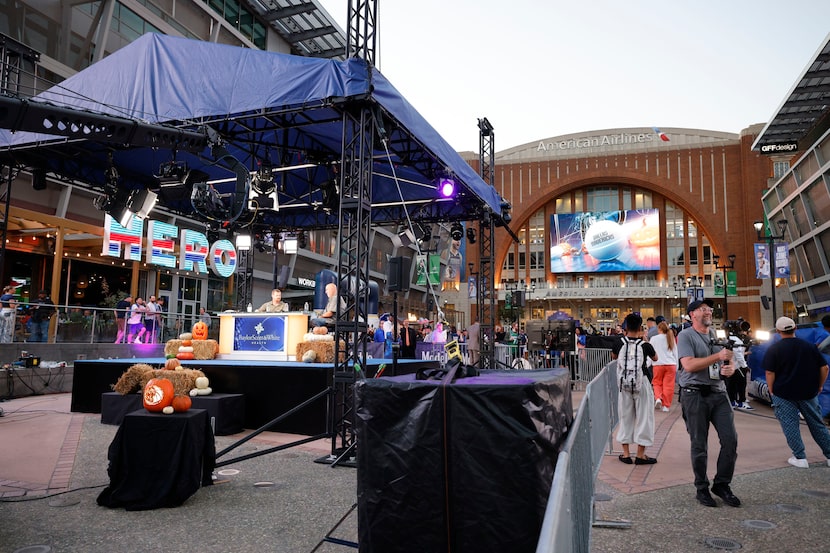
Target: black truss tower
{"x": 360, "y": 124}
{"x": 486, "y": 251}
{"x": 244, "y": 279}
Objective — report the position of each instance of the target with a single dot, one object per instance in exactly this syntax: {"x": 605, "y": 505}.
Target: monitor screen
{"x": 605, "y": 241}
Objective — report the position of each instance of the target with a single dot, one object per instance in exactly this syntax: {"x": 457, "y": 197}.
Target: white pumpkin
{"x": 168, "y": 410}
{"x": 202, "y": 382}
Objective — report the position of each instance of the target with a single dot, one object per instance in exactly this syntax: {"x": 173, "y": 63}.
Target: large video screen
{"x": 605, "y": 241}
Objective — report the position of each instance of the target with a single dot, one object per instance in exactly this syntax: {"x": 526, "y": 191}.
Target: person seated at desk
{"x": 327, "y": 317}
{"x": 276, "y": 305}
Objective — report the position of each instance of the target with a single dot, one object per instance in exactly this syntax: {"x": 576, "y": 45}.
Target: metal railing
{"x": 90, "y": 325}
{"x": 569, "y": 515}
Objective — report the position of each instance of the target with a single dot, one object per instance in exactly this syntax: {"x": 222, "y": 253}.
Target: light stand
{"x": 731, "y": 265}
{"x": 770, "y": 239}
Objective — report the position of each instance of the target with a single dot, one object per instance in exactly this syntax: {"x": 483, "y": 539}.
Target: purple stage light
{"x": 446, "y": 187}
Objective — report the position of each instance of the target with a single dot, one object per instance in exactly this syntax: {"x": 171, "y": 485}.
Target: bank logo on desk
{"x": 266, "y": 333}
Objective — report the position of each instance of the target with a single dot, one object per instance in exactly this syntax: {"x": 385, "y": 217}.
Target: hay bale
{"x": 202, "y": 349}
{"x": 323, "y": 350}
{"x": 137, "y": 376}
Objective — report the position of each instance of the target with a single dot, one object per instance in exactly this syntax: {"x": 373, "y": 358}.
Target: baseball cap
{"x": 659, "y": 319}
{"x": 784, "y": 324}
{"x": 697, "y": 303}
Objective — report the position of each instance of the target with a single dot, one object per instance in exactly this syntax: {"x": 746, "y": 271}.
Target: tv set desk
{"x": 270, "y": 336}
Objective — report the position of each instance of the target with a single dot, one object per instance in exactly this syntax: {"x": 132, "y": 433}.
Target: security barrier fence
{"x": 569, "y": 515}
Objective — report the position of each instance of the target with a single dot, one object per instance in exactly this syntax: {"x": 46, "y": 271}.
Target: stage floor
{"x": 271, "y": 388}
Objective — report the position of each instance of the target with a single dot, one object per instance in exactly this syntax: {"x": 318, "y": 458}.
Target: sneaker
{"x": 705, "y": 498}
{"x": 723, "y": 491}
{"x": 665, "y": 409}
{"x": 800, "y": 463}
{"x": 137, "y": 341}
{"x": 747, "y": 407}
{"x": 658, "y": 404}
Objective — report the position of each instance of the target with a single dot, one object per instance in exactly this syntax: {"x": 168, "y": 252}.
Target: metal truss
{"x": 244, "y": 279}
{"x": 360, "y": 125}
{"x": 486, "y": 251}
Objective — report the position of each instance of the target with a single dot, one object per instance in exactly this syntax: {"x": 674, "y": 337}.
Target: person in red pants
{"x": 666, "y": 368}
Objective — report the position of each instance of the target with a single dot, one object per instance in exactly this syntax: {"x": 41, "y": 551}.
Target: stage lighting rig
{"x": 471, "y": 235}
{"x": 446, "y": 187}
{"x": 172, "y": 173}
{"x": 456, "y": 231}
{"x": 263, "y": 181}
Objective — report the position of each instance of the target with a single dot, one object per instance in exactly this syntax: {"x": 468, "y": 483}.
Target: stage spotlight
{"x": 446, "y": 187}
{"x": 471, "y": 235}
{"x": 302, "y": 241}
{"x": 423, "y": 232}
{"x": 505, "y": 212}
{"x": 243, "y": 242}
{"x": 456, "y": 231}
{"x": 172, "y": 173}
{"x": 289, "y": 245}
{"x": 142, "y": 202}
{"x": 263, "y": 181}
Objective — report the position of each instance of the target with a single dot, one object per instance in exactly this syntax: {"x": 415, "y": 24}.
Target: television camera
{"x": 739, "y": 329}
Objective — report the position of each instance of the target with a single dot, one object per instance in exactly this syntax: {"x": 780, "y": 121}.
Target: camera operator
{"x": 704, "y": 401}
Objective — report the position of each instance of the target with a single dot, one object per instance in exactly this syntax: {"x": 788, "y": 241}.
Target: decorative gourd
{"x": 185, "y": 355}
{"x": 182, "y": 403}
{"x": 202, "y": 382}
{"x": 200, "y": 331}
{"x": 171, "y": 364}
{"x": 158, "y": 394}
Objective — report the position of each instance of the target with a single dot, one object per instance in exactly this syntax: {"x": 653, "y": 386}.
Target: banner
{"x": 472, "y": 291}
{"x": 781, "y": 260}
{"x": 717, "y": 282}
{"x": 762, "y": 264}
{"x": 731, "y": 283}
{"x": 427, "y": 266}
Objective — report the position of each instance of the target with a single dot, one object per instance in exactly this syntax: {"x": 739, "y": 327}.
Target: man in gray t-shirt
{"x": 704, "y": 401}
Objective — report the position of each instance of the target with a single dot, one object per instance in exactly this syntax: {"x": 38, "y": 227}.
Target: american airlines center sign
{"x": 601, "y": 141}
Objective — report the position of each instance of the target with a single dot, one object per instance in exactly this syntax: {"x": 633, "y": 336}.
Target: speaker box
{"x": 399, "y": 271}
{"x": 518, "y": 299}
{"x": 38, "y": 179}
{"x": 765, "y": 302}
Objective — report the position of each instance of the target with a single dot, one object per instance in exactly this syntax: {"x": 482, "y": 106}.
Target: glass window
{"x": 692, "y": 255}
{"x": 817, "y": 202}
{"x": 780, "y": 168}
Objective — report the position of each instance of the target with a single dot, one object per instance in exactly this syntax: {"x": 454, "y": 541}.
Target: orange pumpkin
{"x": 185, "y": 355}
{"x": 171, "y": 364}
{"x": 182, "y": 403}
{"x": 187, "y": 343}
{"x": 200, "y": 331}
{"x": 158, "y": 394}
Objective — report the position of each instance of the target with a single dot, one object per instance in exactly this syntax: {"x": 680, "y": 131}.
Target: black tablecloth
{"x": 228, "y": 410}
{"x": 158, "y": 460}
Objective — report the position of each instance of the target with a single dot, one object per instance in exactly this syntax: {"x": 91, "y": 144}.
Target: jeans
{"x": 698, "y": 413}
{"x": 786, "y": 411}
{"x": 40, "y": 331}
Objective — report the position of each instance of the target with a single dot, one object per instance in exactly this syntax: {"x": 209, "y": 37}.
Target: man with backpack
{"x": 636, "y": 398}
{"x": 703, "y": 365}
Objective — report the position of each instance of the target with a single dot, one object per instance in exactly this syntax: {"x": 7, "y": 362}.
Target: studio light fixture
{"x": 243, "y": 242}
{"x": 172, "y": 173}
{"x": 289, "y": 244}
{"x": 471, "y": 235}
{"x": 456, "y": 231}
{"x": 446, "y": 187}
{"x": 142, "y": 202}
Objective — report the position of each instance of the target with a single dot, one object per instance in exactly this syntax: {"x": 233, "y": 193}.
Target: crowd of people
{"x": 710, "y": 376}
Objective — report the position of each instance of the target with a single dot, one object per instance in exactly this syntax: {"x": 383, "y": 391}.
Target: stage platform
{"x": 270, "y": 388}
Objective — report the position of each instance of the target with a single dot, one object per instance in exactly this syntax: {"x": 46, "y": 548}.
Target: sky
{"x": 543, "y": 68}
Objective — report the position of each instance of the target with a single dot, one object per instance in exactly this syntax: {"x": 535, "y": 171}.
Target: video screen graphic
{"x": 605, "y": 241}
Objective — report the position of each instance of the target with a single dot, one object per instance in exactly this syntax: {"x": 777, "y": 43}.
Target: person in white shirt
{"x": 665, "y": 370}
{"x": 135, "y": 323}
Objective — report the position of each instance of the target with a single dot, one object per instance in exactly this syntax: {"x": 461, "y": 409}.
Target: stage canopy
{"x": 275, "y": 114}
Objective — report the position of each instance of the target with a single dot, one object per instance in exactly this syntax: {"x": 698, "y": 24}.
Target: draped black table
{"x": 158, "y": 460}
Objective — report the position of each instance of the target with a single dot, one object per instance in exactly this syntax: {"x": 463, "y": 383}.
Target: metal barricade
{"x": 570, "y": 510}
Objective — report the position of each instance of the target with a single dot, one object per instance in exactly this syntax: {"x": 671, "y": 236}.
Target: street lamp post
{"x": 731, "y": 265}
{"x": 679, "y": 287}
{"x": 693, "y": 283}
{"x": 770, "y": 239}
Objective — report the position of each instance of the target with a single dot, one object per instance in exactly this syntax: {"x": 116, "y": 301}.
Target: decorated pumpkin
{"x": 172, "y": 364}
{"x": 200, "y": 331}
{"x": 182, "y": 403}
{"x": 158, "y": 394}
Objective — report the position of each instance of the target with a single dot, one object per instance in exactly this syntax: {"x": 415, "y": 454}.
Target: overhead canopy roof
{"x": 805, "y": 108}
{"x": 305, "y": 25}
{"x": 277, "y": 109}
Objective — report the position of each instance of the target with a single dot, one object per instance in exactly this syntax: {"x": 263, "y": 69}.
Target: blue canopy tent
{"x": 274, "y": 111}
